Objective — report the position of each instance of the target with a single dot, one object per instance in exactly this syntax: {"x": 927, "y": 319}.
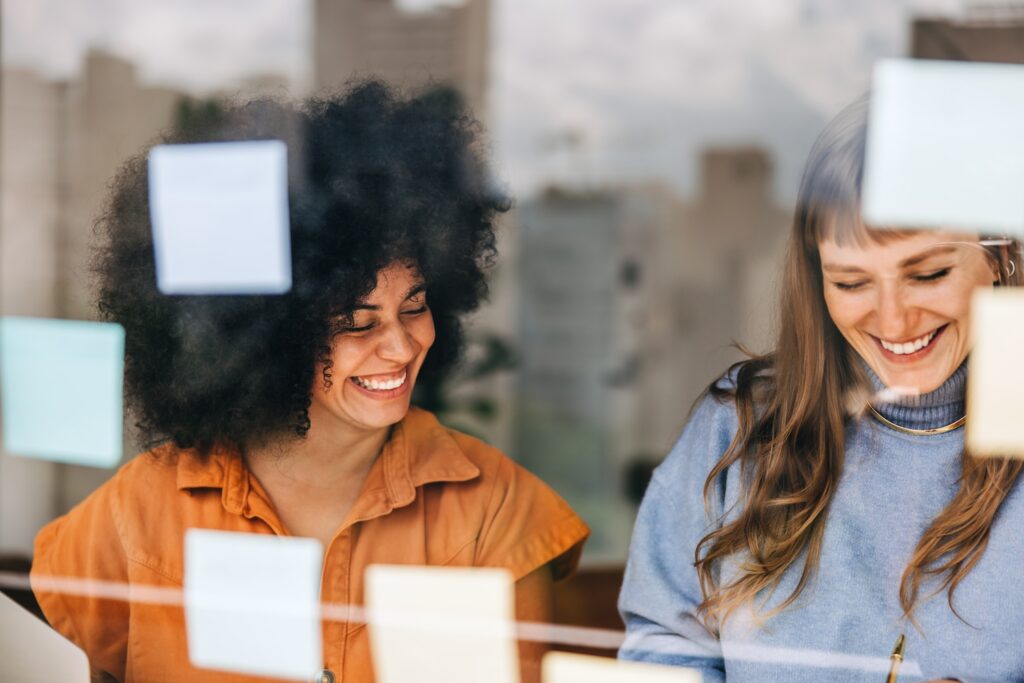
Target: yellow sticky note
{"x": 995, "y": 412}
{"x": 561, "y": 667}
{"x": 441, "y": 624}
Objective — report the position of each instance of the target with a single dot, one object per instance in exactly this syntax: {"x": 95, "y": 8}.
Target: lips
{"x": 382, "y": 382}
{"x": 910, "y": 349}
{"x": 382, "y": 386}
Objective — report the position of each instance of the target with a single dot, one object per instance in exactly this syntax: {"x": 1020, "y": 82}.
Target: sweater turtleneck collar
{"x": 935, "y": 409}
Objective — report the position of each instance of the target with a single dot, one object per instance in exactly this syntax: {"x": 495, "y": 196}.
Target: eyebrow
{"x": 416, "y": 289}
{"x": 905, "y": 263}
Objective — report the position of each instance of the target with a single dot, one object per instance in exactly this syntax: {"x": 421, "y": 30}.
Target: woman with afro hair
{"x": 290, "y": 414}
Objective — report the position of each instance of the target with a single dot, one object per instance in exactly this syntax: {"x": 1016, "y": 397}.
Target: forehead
{"x": 395, "y": 280}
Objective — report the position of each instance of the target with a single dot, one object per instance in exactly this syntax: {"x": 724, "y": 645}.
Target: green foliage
{"x": 193, "y": 113}
{"x": 489, "y": 354}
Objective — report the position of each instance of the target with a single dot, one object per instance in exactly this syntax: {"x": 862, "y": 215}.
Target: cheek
{"x": 347, "y": 354}
{"x": 424, "y": 332}
{"x": 955, "y": 302}
{"x": 958, "y": 307}
{"x": 844, "y": 309}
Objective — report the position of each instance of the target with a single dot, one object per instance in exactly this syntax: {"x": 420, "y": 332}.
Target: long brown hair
{"x": 793, "y": 406}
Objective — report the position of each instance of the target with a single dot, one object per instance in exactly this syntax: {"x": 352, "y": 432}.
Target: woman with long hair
{"x": 820, "y": 501}
{"x": 290, "y": 414}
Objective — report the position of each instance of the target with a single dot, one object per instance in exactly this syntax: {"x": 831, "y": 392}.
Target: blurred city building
{"x": 62, "y": 143}
{"x": 629, "y": 300}
{"x": 411, "y": 49}
{"x": 990, "y": 32}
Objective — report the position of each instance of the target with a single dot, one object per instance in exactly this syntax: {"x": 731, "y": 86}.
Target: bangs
{"x": 845, "y": 227}
{"x": 830, "y": 190}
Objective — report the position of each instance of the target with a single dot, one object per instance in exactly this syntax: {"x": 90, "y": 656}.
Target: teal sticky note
{"x": 61, "y": 383}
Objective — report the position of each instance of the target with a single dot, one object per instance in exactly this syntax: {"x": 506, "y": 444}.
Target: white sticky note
{"x": 441, "y": 624}
{"x": 32, "y": 652}
{"x": 220, "y": 217}
{"x": 562, "y": 667}
{"x": 62, "y": 389}
{"x": 995, "y": 411}
{"x": 945, "y": 146}
{"x": 252, "y": 603}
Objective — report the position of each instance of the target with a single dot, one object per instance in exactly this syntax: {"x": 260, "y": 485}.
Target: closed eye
{"x": 848, "y": 286}
{"x": 416, "y": 311}
{"x": 932, "y": 276}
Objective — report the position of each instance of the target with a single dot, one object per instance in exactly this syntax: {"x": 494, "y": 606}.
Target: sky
{"x": 640, "y": 86}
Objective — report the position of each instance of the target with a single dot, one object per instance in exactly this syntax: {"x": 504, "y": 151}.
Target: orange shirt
{"x": 433, "y": 497}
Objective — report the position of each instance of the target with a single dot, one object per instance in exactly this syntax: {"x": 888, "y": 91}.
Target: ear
{"x": 996, "y": 268}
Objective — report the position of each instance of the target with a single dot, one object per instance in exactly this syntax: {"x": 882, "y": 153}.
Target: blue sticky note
{"x": 61, "y": 384}
{"x": 219, "y": 213}
{"x": 252, "y": 603}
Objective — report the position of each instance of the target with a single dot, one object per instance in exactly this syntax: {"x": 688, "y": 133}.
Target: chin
{"x": 386, "y": 418}
{"x": 923, "y": 380}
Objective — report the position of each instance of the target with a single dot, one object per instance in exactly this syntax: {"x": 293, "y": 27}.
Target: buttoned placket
{"x": 243, "y": 494}
{"x": 389, "y": 485}
{"x": 392, "y": 470}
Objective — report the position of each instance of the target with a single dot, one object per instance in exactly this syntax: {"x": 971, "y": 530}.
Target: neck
{"x": 330, "y": 455}
{"x": 932, "y": 410}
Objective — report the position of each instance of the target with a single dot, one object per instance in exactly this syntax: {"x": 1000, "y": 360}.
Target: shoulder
{"x": 500, "y": 476}
{"x": 136, "y": 489}
{"x": 131, "y": 516}
{"x": 710, "y": 428}
{"x": 709, "y": 433}
{"x": 143, "y": 476}
{"x": 523, "y": 523}
{"x": 92, "y": 539}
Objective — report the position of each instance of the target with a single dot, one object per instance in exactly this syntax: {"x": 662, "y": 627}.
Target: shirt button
{"x": 325, "y": 676}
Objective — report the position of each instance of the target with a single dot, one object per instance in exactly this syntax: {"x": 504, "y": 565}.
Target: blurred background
{"x": 653, "y": 148}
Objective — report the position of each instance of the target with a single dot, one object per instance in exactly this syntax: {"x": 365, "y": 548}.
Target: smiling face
{"x": 904, "y": 304}
{"x": 377, "y": 358}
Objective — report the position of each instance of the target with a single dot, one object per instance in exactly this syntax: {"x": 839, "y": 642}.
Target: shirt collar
{"x": 420, "y": 451}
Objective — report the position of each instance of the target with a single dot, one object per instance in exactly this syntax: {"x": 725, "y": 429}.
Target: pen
{"x": 896, "y": 657}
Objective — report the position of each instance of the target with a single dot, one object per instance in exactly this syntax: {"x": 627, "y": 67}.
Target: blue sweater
{"x": 845, "y": 623}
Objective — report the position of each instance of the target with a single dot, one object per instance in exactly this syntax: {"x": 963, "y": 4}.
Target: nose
{"x": 396, "y": 344}
{"x": 895, "y": 314}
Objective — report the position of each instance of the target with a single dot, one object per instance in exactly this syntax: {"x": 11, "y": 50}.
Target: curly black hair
{"x": 374, "y": 179}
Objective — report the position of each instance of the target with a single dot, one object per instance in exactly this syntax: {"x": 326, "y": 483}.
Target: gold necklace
{"x": 917, "y": 432}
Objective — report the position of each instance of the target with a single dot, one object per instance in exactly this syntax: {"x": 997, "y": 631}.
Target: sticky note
{"x": 995, "y": 412}
{"x": 945, "y": 146}
{"x": 441, "y": 624}
{"x": 219, "y": 213}
{"x": 562, "y": 667}
{"x": 61, "y": 386}
{"x": 32, "y": 652}
{"x": 252, "y": 603}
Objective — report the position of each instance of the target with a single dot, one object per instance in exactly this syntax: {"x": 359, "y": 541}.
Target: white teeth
{"x": 911, "y": 346}
{"x": 381, "y": 385}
